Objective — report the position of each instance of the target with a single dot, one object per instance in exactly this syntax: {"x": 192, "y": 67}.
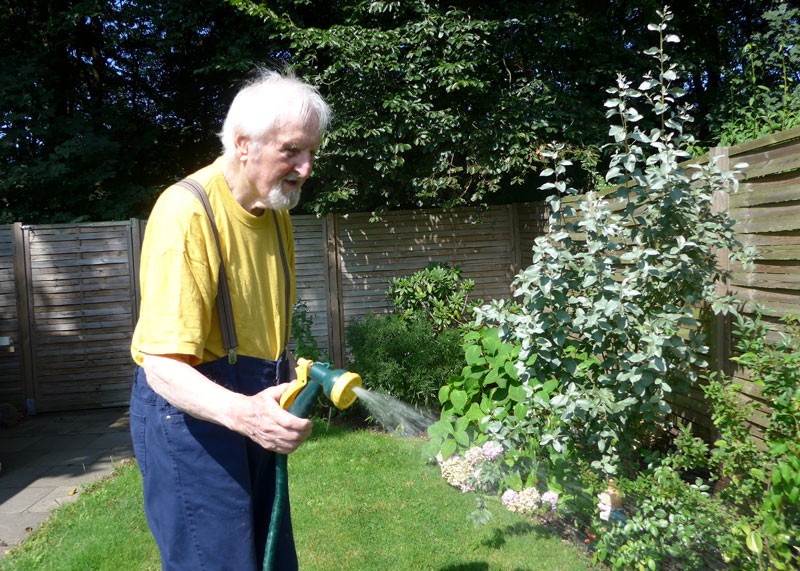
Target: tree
{"x": 436, "y": 103}
{"x": 104, "y": 103}
{"x": 450, "y": 103}
{"x": 441, "y": 104}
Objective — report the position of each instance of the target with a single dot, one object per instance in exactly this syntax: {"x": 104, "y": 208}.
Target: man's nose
{"x": 304, "y": 164}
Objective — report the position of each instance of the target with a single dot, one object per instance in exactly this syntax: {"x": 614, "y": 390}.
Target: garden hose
{"x": 299, "y": 398}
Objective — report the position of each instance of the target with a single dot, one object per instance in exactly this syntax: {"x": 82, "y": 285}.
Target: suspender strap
{"x": 224, "y": 308}
{"x": 288, "y": 285}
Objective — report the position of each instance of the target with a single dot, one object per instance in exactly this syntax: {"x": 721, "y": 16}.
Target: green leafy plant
{"x": 772, "y": 476}
{"x": 436, "y": 292}
{"x": 477, "y": 403}
{"x": 671, "y": 525}
{"x": 736, "y": 457}
{"x": 305, "y": 344}
{"x": 404, "y": 358}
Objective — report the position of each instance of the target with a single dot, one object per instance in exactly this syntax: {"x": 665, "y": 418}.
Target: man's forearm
{"x": 185, "y": 388}
{"x": 259, "y": 417}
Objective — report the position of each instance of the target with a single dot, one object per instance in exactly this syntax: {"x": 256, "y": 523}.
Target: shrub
{"x": 607, "y": 308}
{"x": 404, "y": 358}
{"x": 673, "y": 525}
{"x": 436, "y": 292}
{"x": 764, "y": 481}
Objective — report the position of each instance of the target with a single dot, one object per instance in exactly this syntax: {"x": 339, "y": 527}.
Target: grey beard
{"x": 279, "y": 200}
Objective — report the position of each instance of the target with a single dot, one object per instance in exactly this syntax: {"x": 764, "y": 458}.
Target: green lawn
{"x": 360, "y": 500}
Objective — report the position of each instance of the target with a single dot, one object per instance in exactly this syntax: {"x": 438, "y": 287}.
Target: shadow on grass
{"x": 499, "y": 536}
{"x": 476, "y": 566}
{"x": 497, "y": 540}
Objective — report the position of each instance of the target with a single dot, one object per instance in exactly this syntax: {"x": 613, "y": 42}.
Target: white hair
{"x": 267, "y": 103}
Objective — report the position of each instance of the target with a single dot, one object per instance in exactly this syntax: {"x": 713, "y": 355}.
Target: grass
{"x": 360, "y": 500}
{"x": 104, "y": 530}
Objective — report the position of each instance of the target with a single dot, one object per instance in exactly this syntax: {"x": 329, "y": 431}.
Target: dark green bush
{"x": 437, "y": 293}
{"x": 403, "y": 358}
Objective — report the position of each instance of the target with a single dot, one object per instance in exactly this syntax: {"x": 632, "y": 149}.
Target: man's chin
{"x": 279, "y": 199}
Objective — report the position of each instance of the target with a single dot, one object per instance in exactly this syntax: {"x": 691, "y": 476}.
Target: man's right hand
{"x": 270, "y": 426}
{"x": 259, "y": 417}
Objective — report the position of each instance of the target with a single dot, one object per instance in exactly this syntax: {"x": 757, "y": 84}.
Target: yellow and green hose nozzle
{"x": 299, "y": 398}
{"x": 313, "y": 378}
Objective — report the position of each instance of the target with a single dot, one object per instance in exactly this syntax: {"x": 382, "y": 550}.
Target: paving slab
{"x": 48, "y": 459}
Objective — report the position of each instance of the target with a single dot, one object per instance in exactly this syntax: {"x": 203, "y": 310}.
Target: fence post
{"x": 336, "y": 341}
{"x": 516, "y": 247}
{"x": 22, "y": 280}
{"x": 721, "y": 329}
{"x": 134, "y": 255}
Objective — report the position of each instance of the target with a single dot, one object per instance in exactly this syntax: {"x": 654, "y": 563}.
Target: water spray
{"x": 340, "y": 387}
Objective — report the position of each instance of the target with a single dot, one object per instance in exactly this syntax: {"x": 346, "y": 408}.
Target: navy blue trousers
{"x": 208, "y": 491}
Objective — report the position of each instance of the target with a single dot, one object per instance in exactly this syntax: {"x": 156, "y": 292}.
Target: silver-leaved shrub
{"x": 607, "y": 316}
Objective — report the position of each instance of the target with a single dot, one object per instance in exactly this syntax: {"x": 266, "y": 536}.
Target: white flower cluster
{"x": 463, "y": 471}
{"x": 458, "y": 471}
{"x": 525, "y": 502}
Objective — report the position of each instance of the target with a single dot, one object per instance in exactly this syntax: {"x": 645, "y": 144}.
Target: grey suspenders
{"x": 229, "y": 340}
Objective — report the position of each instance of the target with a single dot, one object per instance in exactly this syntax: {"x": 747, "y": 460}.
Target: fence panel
{"x": 767, "y": 214}
{"x": 372, "y": 253}
{"x": 82, "y": 311}
{"x": 311, "y": 273}
{"x": 11, "y": 387}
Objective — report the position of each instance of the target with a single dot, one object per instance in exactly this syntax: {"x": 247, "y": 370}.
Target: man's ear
{"x": 243, "y": 146}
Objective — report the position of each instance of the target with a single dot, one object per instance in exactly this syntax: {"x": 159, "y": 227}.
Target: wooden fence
{"x": 68, "y": 292}
{"x": 767, "y": 213}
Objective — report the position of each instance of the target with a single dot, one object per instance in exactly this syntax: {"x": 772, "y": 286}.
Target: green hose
{"x": 299, "y": 398}
{"x": 278, "y": 505}
{"x": 301, "y": 407}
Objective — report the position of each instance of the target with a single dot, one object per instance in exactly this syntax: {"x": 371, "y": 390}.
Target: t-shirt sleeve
{"x": 178, "y": 275}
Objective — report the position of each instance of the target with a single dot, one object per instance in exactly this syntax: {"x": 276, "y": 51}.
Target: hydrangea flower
{"x": 492, "y": 450}
{"x": 550, "y": 498}
{"x": 457, "y": 471}
{"x": 525, "y": 502}
{"x": 474, "y": 455}
{"x": 509, "y": 497}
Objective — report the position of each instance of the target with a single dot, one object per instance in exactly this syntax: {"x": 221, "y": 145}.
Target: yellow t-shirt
{"x": 180, "y": 265}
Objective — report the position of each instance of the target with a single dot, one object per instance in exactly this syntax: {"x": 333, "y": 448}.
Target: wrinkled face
{"x": 276, "y": 166}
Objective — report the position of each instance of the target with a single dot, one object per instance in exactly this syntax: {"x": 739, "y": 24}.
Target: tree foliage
{"x": 106, "y": 102}
{"x": 436, "y": 103}
{"x": 442, "y": 104}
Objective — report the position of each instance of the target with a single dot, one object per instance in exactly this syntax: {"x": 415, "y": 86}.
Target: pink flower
{"x": 492, "y": 450}
{"x": 550, "y": 498}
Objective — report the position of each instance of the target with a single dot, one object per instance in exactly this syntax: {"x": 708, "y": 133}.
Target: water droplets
{"x": 395, "y": 416}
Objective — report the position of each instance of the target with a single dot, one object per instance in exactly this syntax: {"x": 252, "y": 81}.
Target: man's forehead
{"x": 295, "y": 130}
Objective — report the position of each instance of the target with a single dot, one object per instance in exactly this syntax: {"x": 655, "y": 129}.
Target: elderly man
{"x": 217, "y": 271}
